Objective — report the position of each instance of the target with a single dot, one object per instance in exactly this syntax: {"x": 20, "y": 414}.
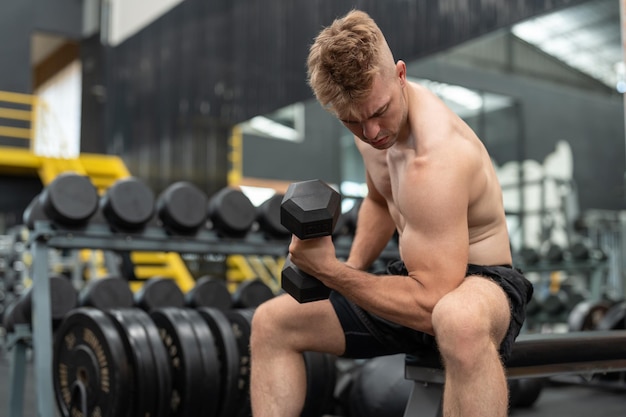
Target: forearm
{"x": 373, "y": 232}
{"x": 400, "y": 299}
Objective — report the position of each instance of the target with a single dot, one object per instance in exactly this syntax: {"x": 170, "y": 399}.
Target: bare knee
{"x": 286, "y": 325}
{"x": 466, "y": 329}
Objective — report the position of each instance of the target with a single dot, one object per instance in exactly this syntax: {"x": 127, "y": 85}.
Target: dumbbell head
{"x": 310, "y": 209}
{"x": 70, "y": 200}
{"x": 231, "y": 212}
{"x": 159, "y": 292}
{"x": 303, "y": 287}
{"x": 181, "y": 207}
{"x": 268, "y": 217}
{"x": 128, "y": 205}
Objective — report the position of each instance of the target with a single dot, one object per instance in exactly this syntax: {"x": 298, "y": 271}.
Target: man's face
{"x": 379, "y": 118}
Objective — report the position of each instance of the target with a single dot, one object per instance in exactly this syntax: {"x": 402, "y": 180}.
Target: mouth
{"x": 379, "y": 142}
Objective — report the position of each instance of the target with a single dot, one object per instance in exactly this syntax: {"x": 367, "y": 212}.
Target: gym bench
{"x": 536, "y": 355}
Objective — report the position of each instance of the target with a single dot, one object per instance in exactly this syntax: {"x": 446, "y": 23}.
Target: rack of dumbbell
{"x": 104, "y": 350}
{"x": 573, "y": 293}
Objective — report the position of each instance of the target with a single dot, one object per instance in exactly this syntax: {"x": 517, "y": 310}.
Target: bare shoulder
{"x": 437, "y": 127}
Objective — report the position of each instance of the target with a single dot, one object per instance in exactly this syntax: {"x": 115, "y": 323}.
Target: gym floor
{"x": 555, "y": 399}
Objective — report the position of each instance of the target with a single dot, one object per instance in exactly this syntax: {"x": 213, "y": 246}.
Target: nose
{"x": 370, "y": 129}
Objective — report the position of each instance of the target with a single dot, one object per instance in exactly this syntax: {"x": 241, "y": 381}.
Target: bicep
{"x": 435, "y": 239}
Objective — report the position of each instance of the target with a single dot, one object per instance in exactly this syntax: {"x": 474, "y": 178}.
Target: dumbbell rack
{"x": 46, "y": 236}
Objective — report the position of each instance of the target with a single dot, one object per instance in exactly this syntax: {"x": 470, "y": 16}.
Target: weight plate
{"x": 586, "y": 315}
{"x": 228, "y": 353}
{"x": 209, "y": 292}
{"x": 241, "y": 321}
{"x": 615, "y": 318}
{"x": 320, "y": 377}
{"x": 139, "y": 349}
{"x": 89, "y": 350}
{"x": 525, "y": 392}
{"x": 210, "y": 362}
{"x": 188, "y": 393}
{"x": 161, "y": 363}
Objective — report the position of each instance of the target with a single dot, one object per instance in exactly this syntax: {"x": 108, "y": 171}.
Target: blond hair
{"x": 344, "y": 59}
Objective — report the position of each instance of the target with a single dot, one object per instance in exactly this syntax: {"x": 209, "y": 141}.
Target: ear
{"x": 401, "y": 72}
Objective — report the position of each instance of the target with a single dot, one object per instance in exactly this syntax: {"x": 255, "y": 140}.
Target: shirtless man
{"x": 430, "y": 179}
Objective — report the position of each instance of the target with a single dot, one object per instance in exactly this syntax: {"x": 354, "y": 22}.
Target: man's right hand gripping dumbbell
{"x": 309, "y": 210}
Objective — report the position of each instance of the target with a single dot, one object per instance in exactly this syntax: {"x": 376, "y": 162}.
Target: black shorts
{"x": 368, "y": 335}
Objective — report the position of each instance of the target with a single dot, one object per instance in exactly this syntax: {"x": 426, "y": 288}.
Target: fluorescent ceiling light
{"x": 267, "y": 127}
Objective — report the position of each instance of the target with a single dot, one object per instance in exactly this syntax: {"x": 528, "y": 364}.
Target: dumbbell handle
{"x": 302, "y": 286}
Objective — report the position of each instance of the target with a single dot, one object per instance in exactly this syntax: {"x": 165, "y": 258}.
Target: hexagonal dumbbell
{"x": 309, "y": 209}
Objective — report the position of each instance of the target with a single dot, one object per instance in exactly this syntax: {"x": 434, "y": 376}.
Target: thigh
{"x": 308, "y": 326}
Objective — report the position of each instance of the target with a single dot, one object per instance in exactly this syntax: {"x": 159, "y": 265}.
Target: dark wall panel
{"x": 175, "y": 89}
{"x": 15, "y": 29}
{"x": 62, "y": 17}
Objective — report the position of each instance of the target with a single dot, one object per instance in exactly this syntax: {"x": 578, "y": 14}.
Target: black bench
{"x": 537, "y": 355}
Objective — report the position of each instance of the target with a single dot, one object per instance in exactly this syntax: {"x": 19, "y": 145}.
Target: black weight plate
{"x": 210, "y": 362}
{"x": 182, "y": 207}
{"x": 228, "y": 358}
{"x": 161, "y": 364}
{"x": 70, "y": 199}
{"x": 231, "y": 212}
{"x": 106, "y": 292}
{"x": 525, "y": 392}
{"x": 241, "y": 321}
{"x": 615, "y": 318}
{"x": 251, "y": 294}
{"x": 321, "y": 377}
{"x": 128, "y": 205}
{"x": 89, "y": 349}
{"x": 586, "y": 315}
{"x": 209, "y": 292}
{"x": 188, "y": 393}
{"x": 139, "y": 349}
{"x": 159, "y": 292}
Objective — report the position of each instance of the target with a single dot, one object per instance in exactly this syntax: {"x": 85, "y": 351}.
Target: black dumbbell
{"x": 159, "y": 292}
{"x": 268, "y": 218}
{"x": 310, "y": 209}
{"x": 181, "y": 208}
{"x": 231, "y": 212}
{"x": 128, "y": 205}
{"x": 69, "y": 200}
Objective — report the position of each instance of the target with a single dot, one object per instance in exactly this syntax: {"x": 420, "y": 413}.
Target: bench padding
{"x": 545, "y": 355}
